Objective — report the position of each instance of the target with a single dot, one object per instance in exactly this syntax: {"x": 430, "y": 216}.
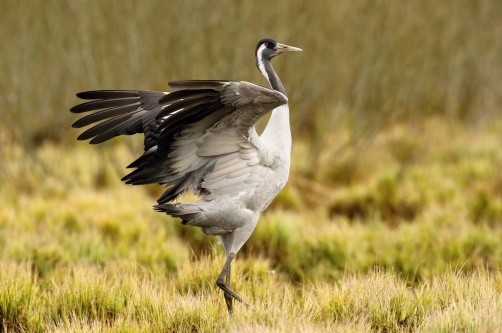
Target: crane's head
{"x": 265, "y": 50}
{"x": 268, "y": 48}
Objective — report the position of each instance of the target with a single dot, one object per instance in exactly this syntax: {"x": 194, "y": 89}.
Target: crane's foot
{"x": 228, "y": 300}
{"x": 228, "y": 293}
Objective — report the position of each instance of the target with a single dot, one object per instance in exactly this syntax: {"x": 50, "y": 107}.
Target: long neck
{"x": 268, "y": 72}
{"x": 277, "y": 132}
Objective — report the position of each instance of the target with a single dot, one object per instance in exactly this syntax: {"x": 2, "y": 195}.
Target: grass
{"x": 81, "y": 251}
{"x": 130, "y": 299}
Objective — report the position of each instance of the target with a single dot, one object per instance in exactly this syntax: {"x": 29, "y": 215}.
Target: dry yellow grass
{"x": 80, "y": 251}
{"x": 129, "y": 299}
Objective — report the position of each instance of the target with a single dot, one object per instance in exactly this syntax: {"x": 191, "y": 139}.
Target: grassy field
{"x": 392, "y": 217}
{"x": 413, "y": 248}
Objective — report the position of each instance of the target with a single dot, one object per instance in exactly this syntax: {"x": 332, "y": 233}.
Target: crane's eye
{"x": 266, "y": 44}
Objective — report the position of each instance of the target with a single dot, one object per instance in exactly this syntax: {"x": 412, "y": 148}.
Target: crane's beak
{"x": 279, "y": 48}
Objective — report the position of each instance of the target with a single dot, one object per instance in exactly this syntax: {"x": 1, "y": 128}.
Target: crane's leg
{"x": 228, "y": 297}
{"x": 225, "y": 273}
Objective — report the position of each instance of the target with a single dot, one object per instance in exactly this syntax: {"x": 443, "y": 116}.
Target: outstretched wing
{"x": 199, "y": 137}
{"x": 130, "y": 111}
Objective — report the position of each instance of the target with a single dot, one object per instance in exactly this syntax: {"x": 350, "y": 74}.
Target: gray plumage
{"x": 202, "y": 137}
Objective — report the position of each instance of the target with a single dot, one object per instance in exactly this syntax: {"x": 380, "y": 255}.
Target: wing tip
{"x": 74, "y": 109}
{"x": 107, "y": 94}
{"x": 82, "y": 94}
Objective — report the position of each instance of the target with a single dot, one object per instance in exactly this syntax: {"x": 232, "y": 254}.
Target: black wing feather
{"x": 107, "y": 94}
{"x": 104, "y": 127}
{"x": 125, "y": 112}
{"x": 105, "y": 114}
{"x": 101, "y": 104}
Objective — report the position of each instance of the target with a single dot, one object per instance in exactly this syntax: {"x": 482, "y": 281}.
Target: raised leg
{"x": 228, "y": 293}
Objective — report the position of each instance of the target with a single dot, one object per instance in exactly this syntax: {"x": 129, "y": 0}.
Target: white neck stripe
{"x": 261, "y": 65}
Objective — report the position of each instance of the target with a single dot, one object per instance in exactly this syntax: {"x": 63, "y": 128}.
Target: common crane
{"x": 202, "y": 137}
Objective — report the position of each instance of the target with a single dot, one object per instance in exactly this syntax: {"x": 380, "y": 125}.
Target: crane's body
{"x": 202, "y": 138}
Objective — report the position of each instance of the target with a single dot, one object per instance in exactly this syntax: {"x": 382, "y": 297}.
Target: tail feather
{"x": 185, "y": 212}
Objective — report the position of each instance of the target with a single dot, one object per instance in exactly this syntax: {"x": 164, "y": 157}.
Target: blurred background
{"x": 366, "y": 65}
{"x": 395, "y": 112}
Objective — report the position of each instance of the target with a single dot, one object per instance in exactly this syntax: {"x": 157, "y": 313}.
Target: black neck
{"x": 273, "y": 78}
